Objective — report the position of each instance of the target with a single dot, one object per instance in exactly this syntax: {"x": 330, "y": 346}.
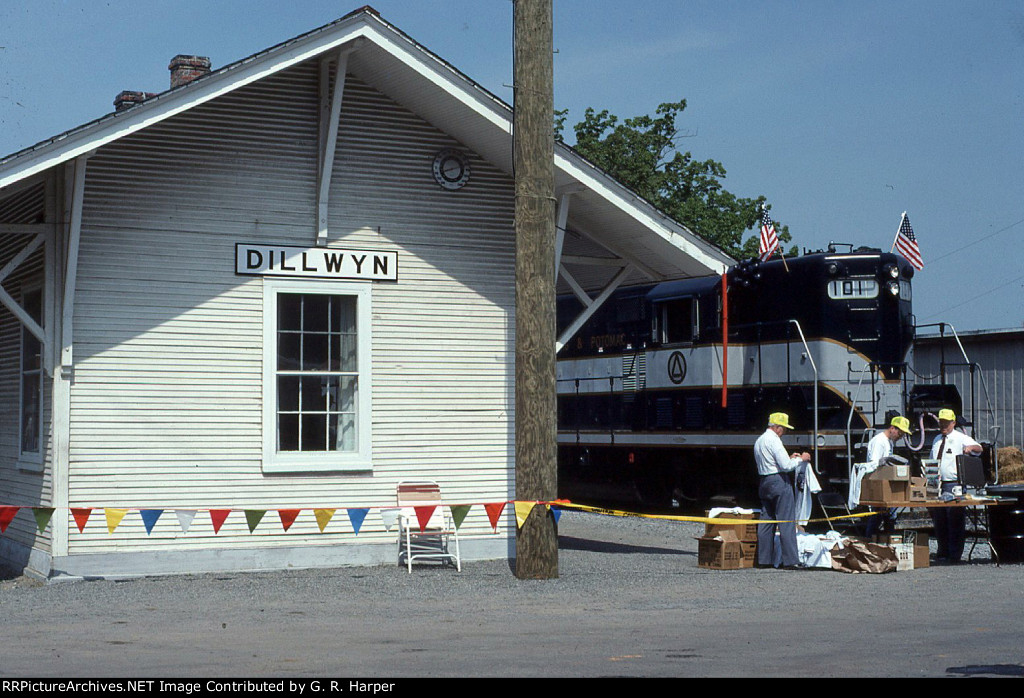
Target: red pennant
{"x": 81, "y": 516}
{"x": 288, "y": 517}
{"x": 217, "y": 516}
{"x": 423, "y": 515}
{"x": 6, "y": 516}
{"x": 494, "y": 510}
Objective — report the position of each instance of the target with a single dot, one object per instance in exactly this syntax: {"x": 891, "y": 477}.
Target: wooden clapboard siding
{"x": 167, "y": 401}
{"x": 20, "y": 486}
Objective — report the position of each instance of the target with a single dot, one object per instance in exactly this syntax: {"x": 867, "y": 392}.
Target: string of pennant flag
{"x": 356, "y": 515}
{"x": 253, "y": 517}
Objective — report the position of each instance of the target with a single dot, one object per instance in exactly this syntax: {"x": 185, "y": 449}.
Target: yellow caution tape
{"x": 696, "y": 519}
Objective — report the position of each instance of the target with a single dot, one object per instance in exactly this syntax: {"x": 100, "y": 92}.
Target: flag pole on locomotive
{"x": 769, "y": 241}
{"x": 906, "y": 242}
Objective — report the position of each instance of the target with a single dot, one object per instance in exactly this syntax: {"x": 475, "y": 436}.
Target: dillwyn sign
{"x": 319, "y": 262}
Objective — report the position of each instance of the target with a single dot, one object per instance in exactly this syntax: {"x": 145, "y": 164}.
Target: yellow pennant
{"x": 523, "y": 510}
{"x": 114, "y": 517}
{"x": 323, "y": 517}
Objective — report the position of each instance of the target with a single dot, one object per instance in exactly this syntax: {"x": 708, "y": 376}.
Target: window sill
{"x": 30, "y": 464}
{"x": 306, "y": 465}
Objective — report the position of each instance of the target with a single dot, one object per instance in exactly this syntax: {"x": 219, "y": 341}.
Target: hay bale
{"x": 1011, "y": 465}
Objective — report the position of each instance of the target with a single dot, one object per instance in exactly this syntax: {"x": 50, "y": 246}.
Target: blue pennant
{"x": 149, "y": 517}
{"x": 356, "y": 516}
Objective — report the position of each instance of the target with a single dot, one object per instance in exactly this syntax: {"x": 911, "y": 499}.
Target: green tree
{"x": 641, "y": 153}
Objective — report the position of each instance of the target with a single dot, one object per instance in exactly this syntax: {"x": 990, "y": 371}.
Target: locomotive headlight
{"x": 892, "y": 270}
{"x": 894, "y": 287}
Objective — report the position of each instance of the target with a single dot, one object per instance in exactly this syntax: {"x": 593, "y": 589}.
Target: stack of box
{"x": 911, "y": 548}
{"x": 892, "y": 483}
{"x": 728, "y": 546}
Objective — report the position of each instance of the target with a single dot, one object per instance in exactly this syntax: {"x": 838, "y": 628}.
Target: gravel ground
{"x": 630, "y": 600}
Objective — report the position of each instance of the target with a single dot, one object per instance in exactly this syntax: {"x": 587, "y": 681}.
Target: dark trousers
{"x": 779, "y": 504}
{"x": 950, "y": 528}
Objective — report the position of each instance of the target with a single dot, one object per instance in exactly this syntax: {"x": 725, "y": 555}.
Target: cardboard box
{"x": 722, "y": 552}
{"x": 921, "y": 548}
{"x": 749, "y": 551}
{"x": 904, "y": 556}
{"x": 884, "y": 491}
{"x": 744, "y": 532}
{"x": 890, "y": 472}
{"x": 888, "y": 538}
{"x": 918, "y": 489}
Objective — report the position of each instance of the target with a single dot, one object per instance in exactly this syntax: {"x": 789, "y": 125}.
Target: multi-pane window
{"x": 31, "y": 378}
{"x": 317, "y": 372}
{"x": 316, "y": 376}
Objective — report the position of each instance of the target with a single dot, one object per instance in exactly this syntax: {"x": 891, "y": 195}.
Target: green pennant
{"x": 253, "y": 518}
{"x": 459, "y": 512}
{"x": 42, "y": 515}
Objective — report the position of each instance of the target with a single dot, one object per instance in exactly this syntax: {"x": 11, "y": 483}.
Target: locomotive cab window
{"x": 677, "y": 320}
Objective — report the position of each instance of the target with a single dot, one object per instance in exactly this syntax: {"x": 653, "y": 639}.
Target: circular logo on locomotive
{"x": 676, "y": 367}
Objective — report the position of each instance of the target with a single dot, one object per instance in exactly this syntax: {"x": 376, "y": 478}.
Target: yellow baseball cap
{"x": 779, "y": 419}
{"x": 947, "y": 416}
{"x": 901, "y": 423}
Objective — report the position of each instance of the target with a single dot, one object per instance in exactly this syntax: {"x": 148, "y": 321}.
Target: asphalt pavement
{"x": 629, "y": 601}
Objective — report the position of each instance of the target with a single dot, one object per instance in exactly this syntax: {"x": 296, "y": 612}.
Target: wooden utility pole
{"x": 536, "y": 409}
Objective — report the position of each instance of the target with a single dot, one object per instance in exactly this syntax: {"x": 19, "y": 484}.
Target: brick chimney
{"x": 129, "y": 98}
{"x": 185, "y": 69}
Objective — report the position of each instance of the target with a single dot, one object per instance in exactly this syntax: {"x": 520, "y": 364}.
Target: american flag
{"x": 906, "y": 243}
{"x": 769, "y": 240}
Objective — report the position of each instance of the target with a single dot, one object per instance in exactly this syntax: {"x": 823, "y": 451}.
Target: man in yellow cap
{"x": 775, "y": 467}
{"x": 950, "y": 523}
{"x": 880, "y": 447}
{"x": 881, "y": 444}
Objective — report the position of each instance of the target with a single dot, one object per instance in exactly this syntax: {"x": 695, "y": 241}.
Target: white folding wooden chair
{"x": 438, "y": 539}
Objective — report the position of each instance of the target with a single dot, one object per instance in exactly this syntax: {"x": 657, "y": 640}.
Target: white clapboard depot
{"x": 285, "y": 285}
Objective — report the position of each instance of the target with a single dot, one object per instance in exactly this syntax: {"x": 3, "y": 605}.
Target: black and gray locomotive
{"x": 663, "y": 392}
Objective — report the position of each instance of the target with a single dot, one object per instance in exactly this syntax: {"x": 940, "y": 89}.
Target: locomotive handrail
{"x": 814, "y": 366}
{"x": 588, "y": 378}
{"x": 849, "y": 420}
{"x": 869, "y": 369}
{"x": 942, "y": 334}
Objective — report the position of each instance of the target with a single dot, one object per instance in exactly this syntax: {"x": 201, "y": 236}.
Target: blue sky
{"x": 843, "y": 114}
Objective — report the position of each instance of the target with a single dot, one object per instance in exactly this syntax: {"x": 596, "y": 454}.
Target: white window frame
{"x": 359, "y": 460}
{"x": 31, "y": 460}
